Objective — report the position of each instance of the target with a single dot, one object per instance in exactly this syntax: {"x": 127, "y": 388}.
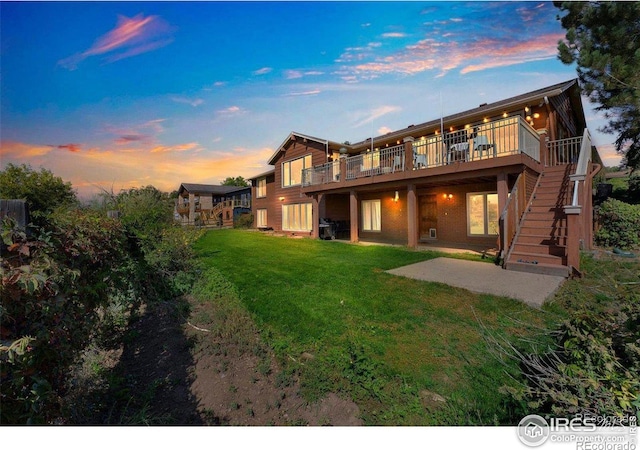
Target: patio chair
{"x": 398, "y": 163}
{"x": 481, "y": 143}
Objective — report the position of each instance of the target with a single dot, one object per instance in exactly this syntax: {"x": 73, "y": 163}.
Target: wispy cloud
{"x": 175, "y": 148}
{"x": 189, "y": 101}
{"x": 370, "y": 116}
{"x": 230, "y": 111}
{"x": 144, "y": 133}
{"x": 73, "y": 148}
{"x": 130, "y": 37}
{"x": 164, "y": 166}
{"x": 471, "y": 56}
{"x": 394, "y": 35}
{"x": 262, "y": 71}
{"x": 295, "y": 74}
{"x": 21, "y": 150}
{"x": 303, "y": 93}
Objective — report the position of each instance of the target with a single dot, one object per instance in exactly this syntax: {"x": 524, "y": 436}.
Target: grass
{"x": 384, "y": 341}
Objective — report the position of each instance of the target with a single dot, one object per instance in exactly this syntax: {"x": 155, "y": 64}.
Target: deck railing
{"x": 324, "y": 173}
{"x": 564, "y": 151}
{"x": 377, "y": 162}
{"x": 503, "y": 137}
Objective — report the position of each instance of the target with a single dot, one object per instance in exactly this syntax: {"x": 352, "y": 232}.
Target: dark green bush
{"x": 594, "y": 368}
{"x": 619, "y": 224}
{"x": 244, "y": 221}
{"x": 43, "y": 191}
{"x": 52, "y": 288}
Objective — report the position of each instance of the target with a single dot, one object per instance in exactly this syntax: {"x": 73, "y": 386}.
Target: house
{"x": 514, "y": 175}
{"x": 208, "y": 204}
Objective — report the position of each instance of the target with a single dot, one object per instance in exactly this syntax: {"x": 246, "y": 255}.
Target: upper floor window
{"x": 292, "y": 170}
{"x": 261, "y": 188}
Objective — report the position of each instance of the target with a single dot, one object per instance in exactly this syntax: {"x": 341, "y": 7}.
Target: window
{"x": 297, "y": 217}
{"x": 261, "y": 218}
{"x": 482, "y": 214}
{"x": 292, "y": 171}
{"x": 371, "y": 215}
{"x": 261, "y": 189}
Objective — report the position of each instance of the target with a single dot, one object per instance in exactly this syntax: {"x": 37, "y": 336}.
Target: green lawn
{"x": 340, "y": 323}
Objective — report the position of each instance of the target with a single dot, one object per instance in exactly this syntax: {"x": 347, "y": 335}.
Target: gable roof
{"x": 214, "y": 189}
{"x": 294, "y": 136}
{"x": 264, "y": 174}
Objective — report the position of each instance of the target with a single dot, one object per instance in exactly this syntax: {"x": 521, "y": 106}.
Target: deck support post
{"x": 353, "y": 215}
{"x": 503, "y": 191}
{"x": 408, "y": 152}
{"x": 412, "y": 217}
{"x": 192, "y": 208}
{"x": 315, "y": 216}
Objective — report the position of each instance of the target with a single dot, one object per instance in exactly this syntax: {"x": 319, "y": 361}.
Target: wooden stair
{"x": 540, "y": 244}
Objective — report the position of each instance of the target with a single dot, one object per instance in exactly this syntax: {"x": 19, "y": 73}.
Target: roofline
{"x": 300, "y": 135}
{"x": 550, "y": 91}
{"x": 264, "y": 174}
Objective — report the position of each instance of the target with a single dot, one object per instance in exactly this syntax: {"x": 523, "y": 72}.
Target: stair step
{"x": 542, "y": 239}
{"x": 548, "y": 232}
{"x": 536, "y": 208}
{"x": 535, "y": 258}
{"x": 540, "y": 249}
{"x": 543, "y": 269}
{"x": 544, "y": 215}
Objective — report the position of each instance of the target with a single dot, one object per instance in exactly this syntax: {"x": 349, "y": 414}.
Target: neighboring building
{"x": 208, "y": 204}
{"x": 465, "y": 180}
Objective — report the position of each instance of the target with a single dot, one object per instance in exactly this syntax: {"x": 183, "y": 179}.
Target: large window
{"x": 297, "y": 217}
{"x": 261, "y": 188}
{"x": 371, "y": 215}
{"x": 482, "y": 213}
{"x": 261, "y": 218}
{"x": 292, "y": 171}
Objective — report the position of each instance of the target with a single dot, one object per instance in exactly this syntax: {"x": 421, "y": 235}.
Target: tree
{"x": 237, "y": 181}
{"x": 603, "y": 39}
{"x": 43, "y": 191}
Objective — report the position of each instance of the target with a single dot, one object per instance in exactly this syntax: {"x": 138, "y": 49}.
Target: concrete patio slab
{"x": 484, "y": 278}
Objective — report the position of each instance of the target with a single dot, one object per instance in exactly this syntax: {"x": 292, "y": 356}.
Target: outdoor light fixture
{"x": 281, "y": 199}
{"x": 536, "y": 115}
{"x": 447, "y": 197}
{"x": 396, "y": 197}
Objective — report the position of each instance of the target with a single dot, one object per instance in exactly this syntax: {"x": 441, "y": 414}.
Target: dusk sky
{"x": 122, "y": 94}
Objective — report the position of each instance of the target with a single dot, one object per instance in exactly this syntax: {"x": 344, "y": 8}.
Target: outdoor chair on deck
{"x": 481, "y": 144}
{"x": 398, "y": 163}
{"x": 419, "y": 160}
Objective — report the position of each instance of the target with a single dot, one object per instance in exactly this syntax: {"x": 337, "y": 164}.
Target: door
{"x": 428, "y": 216}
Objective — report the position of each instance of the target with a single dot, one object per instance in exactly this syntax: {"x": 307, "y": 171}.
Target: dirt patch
{"x": 173, "y": 372}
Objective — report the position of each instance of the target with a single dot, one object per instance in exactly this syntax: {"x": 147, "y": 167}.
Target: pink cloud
{"x": 175, "y": 148}
{"x": 20, "y": 150}
{"x": 429, "y": 54}
{"x": 73, "y": 148}
{"x": 131, "y": 36}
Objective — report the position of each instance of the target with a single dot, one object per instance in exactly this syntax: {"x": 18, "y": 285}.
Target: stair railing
{"x": 511, "y": 215}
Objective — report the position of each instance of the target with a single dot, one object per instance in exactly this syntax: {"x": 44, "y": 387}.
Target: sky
{"x": 115, "y": 95}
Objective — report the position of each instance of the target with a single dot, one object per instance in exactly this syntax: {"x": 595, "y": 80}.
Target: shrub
{"x": 595, "y": 367}
{"x": 43, "y": 191}
{"x": 52, "y": 288}
{"x": 619, "y": 224}
{"x": 244, "y": 221}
